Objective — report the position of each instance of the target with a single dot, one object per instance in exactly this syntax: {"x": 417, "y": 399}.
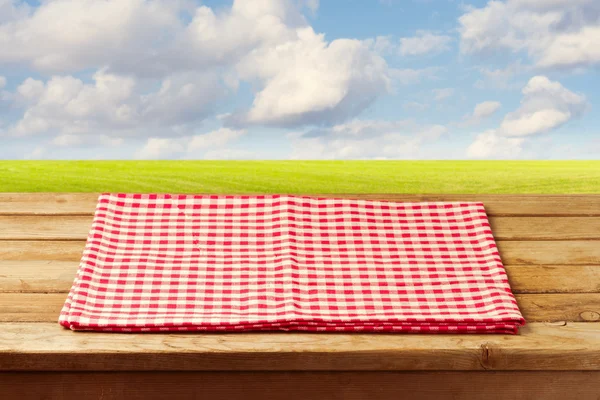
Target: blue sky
{"x": 299, "y": 79}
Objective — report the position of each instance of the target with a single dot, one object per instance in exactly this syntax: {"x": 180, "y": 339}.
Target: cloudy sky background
{"x": 299, "y": 79}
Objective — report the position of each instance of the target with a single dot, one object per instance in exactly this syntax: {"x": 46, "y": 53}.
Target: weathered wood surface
{"x": 539, "y": 346}
{"x": 580, "y": 385}
{"x": 549, "y": 244}
{"x": 552, "y": 205}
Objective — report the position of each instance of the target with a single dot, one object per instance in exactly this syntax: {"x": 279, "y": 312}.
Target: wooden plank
{"x": 31, "y": 307}
{"x": 504, "y": 228}
{"x": 57, "y": 277}
{"x": 48, "y": 203}
{"x": 545, "y": 228}
{"x": 52, "y": 250}
{"x": 550, "y": 252}
{"x": 37, "y": 276}
{"x": 491, "y": 385}
{"x": 553, "y": 278}
{"x": 581, "y": 307}
{"x": 84, "y": 203}
{"x": 45, "y": 227}
{"x": 578, "y": 252}
{"x": 49, "y": 347}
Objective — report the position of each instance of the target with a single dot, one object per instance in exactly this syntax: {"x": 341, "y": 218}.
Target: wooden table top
{"x": 550, "y": 246}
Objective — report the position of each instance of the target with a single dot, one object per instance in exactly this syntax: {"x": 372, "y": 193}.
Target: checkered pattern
{"x": 239, "y": 263}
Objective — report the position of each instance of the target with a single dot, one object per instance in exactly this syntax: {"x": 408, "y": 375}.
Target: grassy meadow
{"x": 295, "y": 177}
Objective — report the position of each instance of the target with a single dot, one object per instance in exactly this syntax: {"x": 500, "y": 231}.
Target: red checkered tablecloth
{"x": 276, "y": 262}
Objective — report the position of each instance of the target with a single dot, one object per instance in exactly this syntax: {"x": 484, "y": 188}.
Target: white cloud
{"x": 190, "y": 146}
{"x": 308, "y": 81}
{"x": 424, "y": 43}
{"x": 365, "y": 139}
{"x": 144, "y": 37}
{"x": 217, "y": 138}
{"x": 485, "y": 109}
{"x": 546, "y": 105}
{"x": 63, "y": 35}
{"x": 554, "y": 34}
{"x": 158, "y": 148}
{"x": 182, "y": 98}
{"x": 441, "y": 94}
{"x": 11, "y": 10}
{"x": 299, "y": 77}
{"x": 113, "y": 105}
{"x": 491, "y": 145}
{"x": 482, "y": 111}
{"x": 2, "y": 82}
{"x": 573, "y": 49}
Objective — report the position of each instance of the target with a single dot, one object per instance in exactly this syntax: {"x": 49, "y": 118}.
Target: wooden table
{"x": 550, "y": 246}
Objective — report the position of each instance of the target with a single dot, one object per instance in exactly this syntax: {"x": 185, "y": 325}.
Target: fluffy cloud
{"x": 555, "y": 33}
{"x": 309, "y": 81}
{"x": 2, "y": 82}
{"x": 157, "y": 148}
{"x": 299, "y": 78}
{"x": 546, "y": 105}
{"x": 112, "y": 105}
{"x": 11, "y": 11}
{"x": 492, "y": 145}
{"x": 482, "y": 111}
{"x": 424, "y": 43}
{"x": 142, "y": 37}
{"x": 190, "y": 146}
{"x": 365, "y": 139}
{"x": 67, "y": 35}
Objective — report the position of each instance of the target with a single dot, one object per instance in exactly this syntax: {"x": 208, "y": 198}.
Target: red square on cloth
{"x": 277, "y": 262}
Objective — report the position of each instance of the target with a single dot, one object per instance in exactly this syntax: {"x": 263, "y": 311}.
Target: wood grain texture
{"x": 577, "y": 252}
{"x": 581, "y": 307}
{"x": 84, "y": 203}
{"x": 553, "y": 278}
{"x": 57, "y": 277}
{"x": 539, "y": 346}
{"x": 35, "y": 250}
{"x": 504, "y": 228}
{"x": 490, "y": 385}
{"x": 550, "y": 252}
{"x": 48, "y": 203}
{"x": 37, "y": 276}
{"x": 44, "y": 227}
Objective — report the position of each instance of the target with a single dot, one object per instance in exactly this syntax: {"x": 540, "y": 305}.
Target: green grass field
{"x": 301, "y": 176}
